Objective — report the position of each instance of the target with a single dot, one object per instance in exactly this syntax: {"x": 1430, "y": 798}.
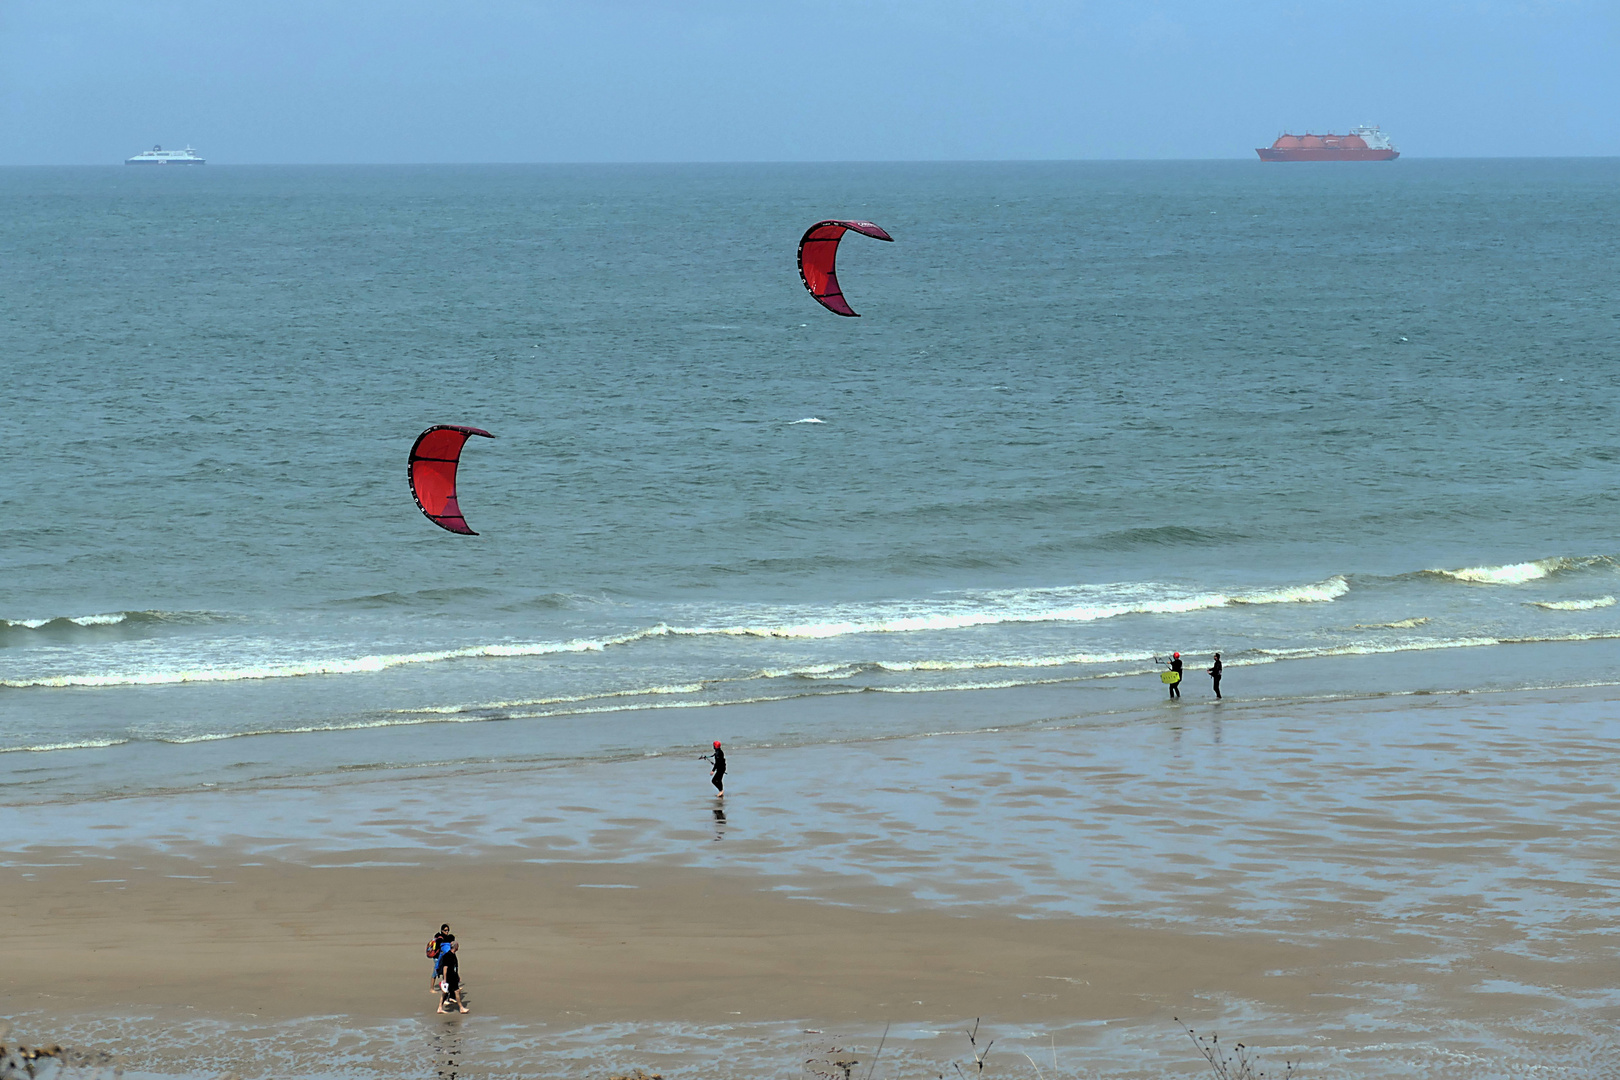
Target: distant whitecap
{"x": 808, "y": 420}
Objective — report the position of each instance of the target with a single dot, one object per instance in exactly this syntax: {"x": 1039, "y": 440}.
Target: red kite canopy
{"x": 433, "y": 474}
{"x": 818, "y": 251}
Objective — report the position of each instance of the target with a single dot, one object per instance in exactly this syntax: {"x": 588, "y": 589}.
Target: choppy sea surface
{"x": 1092, "y": 413}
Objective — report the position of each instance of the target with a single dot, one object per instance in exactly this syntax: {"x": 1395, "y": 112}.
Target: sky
{"x": 422, "y": 81}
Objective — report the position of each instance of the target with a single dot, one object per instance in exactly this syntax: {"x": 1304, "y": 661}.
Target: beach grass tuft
{"x": 978, "y": 1055}
{"x": 1235, "y": 1064}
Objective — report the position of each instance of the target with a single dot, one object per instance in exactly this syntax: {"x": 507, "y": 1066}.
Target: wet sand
{"x": 1385, "y": 888}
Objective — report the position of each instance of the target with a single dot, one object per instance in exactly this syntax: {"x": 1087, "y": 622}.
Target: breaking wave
{"x": 346, "y": 666}
{"x": 757, "y": 687}
{"x": 1369, "y": 648}
{"x": 1365, "y": 648}
{"x": 900, "y": 666}
{"x": 82, "y": 744}
{"x": 1077, "y": 604}
{"x": 1319, "y": 593}
{"x": 113, "y": 618}
{"x": 1512, "y": 573}
{"x": 1573, "y": 605}
{"x": 66, "y": 620}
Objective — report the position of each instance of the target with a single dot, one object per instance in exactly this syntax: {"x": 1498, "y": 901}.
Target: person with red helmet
{"x": 717, "y": 770}
{"x": 1175, "y": 666}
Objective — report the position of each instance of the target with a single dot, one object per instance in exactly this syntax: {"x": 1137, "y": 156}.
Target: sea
{"x": 1357, "y": 428}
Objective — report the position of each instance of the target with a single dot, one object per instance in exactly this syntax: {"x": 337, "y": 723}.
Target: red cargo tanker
{"x": 1362, "y": 144}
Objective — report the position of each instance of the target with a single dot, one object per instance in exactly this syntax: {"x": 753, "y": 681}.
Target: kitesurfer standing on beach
{"x": 717, "y": 773}
{"x": 1215, "y": 675}
{"x": 1175, "y": 666}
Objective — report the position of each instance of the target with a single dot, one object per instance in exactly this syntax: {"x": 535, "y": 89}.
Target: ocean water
{"x": 1357, "y": 424}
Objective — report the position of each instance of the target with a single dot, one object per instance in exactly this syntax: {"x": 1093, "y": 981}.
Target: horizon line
{"x": 120, "y": 162}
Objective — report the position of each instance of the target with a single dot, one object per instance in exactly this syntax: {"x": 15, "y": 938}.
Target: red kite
{"x": 434, "y": 456}
{"x": 818, "y": 251}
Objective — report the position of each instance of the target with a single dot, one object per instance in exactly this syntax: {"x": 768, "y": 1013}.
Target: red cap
{"x": 717, "y": 744}
{"x": 1175, "y": 656}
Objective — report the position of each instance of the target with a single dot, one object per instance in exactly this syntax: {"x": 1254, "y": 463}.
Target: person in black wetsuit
{"x": 717, "y": 774}
{"x": 1175, "y": 666}
{"x": 1215, "y": 676}
{"x": 452, "y": 984}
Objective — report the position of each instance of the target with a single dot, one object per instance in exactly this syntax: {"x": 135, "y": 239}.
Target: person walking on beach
{"x": 1175, "y": 666}
{"x": 1215, "y": 676}
{"x": 717, "y": 773}
{"x": 450, "y": 987}
{"x": 444, "y": 941}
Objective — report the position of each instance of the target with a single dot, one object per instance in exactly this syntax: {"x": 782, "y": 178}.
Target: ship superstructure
{"x": 1365, "y": 143}
{"x": 159, "y": 156}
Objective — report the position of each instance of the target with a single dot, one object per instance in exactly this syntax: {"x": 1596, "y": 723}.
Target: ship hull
{"x": 1272, "y": 153}
{"x": 134, "y": 161}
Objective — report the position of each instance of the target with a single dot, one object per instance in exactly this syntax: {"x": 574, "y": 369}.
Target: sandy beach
{"x": 585, "y": 945}
{"x": 1378, "y": 888}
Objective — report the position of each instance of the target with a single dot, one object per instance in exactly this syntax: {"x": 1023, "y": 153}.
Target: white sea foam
{"x": 336, "y": 666}
{"x": 900, "y": 666}
{"x": 685, "y": 695}
{"x": 1368, "y": 648}
{"x": 1510, "y": 574}
{"x": 1573, "y": 605}
{"x": 1078, "y": 604}
{"x": 1083, "y": 604}
{"x": 1000, "y": 684}
{"x": 831, "y": 672}
{"x": 569, "y": 699}
{"x": 112, "y": 619}
{"x": 1398, "y": 624}
{"x": 1364, "y": 648}
{"x": 687, "y": 704}
{"x": 115, "y": 618}
{"x": 809, "y": 671}
{"x": 697, "y": 694}
{"x": 808, "y": 420}
{"x": 83, "y": 744}
{"x": 1317, "y": 593}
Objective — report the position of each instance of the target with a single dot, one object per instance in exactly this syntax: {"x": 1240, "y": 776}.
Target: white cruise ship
{"x": 159, "y": 156}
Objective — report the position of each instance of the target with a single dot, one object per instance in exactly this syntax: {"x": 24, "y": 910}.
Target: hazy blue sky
{"x": 91, "y": 81}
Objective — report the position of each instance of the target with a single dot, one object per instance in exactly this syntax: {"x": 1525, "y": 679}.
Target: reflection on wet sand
{"x": 1447, "y": 863}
